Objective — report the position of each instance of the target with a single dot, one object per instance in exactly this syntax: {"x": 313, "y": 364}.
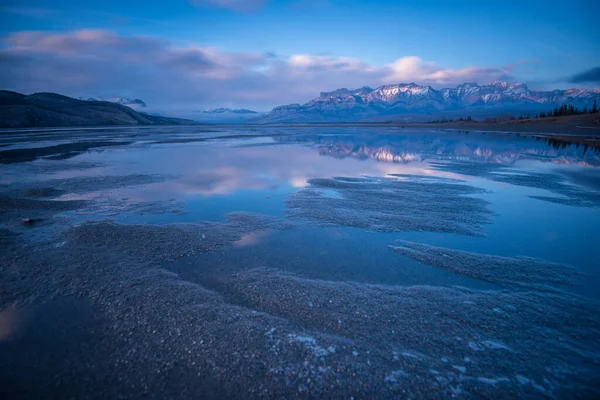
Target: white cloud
{"x": 309, "y": 62}
{"x": 103, "y": 63}
{"x": 414, "y": 69}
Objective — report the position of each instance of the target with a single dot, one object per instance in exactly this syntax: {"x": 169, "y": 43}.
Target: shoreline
{"x": 582, "y": 129}
{"x": 525, "y": 128}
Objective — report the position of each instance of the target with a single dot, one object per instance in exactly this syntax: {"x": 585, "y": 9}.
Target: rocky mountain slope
{"x": 415, "y": 102}
{"x": 50, "y": 109}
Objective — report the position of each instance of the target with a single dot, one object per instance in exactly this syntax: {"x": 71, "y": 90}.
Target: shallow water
{"x": 340, "y": 200}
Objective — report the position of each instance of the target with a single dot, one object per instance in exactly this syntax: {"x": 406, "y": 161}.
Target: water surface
{"x": 308, "y": 227}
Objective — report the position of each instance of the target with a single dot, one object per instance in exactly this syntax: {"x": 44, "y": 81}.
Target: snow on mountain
{"x": 409, "y": 98}
{"x": 119, "y": 100}
{"x": 393, "y": 92}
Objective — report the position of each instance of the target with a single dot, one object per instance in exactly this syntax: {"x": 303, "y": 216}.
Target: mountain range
{"x": 50, "y": 109}
{"x": 399, "y": 102}
{"x": 412, "y": 102}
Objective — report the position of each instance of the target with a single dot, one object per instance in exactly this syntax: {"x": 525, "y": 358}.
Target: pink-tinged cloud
{"x": 414, "y": 69}
{"x": 234, "y": 5}
{"x": 164, "y": 75}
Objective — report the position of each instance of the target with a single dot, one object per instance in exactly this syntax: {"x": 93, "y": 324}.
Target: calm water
{"x": 525, "y": 198}
{"x": 257, "y": 170}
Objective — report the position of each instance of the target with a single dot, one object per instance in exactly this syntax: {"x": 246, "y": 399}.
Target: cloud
{"x": 414, "y": 69}
{"x": 326, "y": 63}
{"x": 96, "y": 42}
{"x": 99, "y": 62}
{"x": 167, "y": 76}
{"x": 234, "y": 5}
{"x": 588, "y": 76}
{"x": 191, "y": 60}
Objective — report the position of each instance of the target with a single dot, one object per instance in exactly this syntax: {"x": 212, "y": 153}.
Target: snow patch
{"x": 310, "y": 344}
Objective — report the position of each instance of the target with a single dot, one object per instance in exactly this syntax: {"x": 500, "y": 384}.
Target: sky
{"x": 257, "y": 54}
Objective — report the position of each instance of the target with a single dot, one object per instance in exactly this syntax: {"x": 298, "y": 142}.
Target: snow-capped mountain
{"x": 119, "y": 100}
{"x": 411, "y": 99}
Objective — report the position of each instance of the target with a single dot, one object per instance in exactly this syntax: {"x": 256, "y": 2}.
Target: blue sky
{"x": 261, "y": 53}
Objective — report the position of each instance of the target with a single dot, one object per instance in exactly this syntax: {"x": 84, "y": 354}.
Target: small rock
{"x": 27, "y": 221}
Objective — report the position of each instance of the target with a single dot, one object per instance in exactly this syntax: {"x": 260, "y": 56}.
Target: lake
{"x": 298, "y": 261}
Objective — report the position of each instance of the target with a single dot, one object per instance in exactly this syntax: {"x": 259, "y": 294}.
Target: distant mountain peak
{"x": 507, "y": 85}
{"x": 502, "y": 84}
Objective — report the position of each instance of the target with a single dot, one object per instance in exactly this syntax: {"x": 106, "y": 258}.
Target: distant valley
{"x": 226, "y": 115}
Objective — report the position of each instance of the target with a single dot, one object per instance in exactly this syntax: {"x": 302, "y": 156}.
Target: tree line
{"x": 565, "y": 109}
{"x": 568, "y": 109}
{"x": 448, "y": 120}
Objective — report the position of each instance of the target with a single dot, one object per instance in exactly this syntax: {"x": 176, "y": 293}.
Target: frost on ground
{"x": 437, "y": 340}
{"x": 392, "y": 205}
{"x": 262, "y": 333}
{"x": 580, "y": 194}
{"x": 173, "y": 241}
{"x": 310, "y": 343}
{"x": 520, "y": 272}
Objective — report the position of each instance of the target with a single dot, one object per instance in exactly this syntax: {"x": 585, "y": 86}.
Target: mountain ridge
{"x": 366, "y": 103}
{"x": 45, "y": 109}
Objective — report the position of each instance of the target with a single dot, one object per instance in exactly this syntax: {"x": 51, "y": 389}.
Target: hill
{"x": 50, "y": 109}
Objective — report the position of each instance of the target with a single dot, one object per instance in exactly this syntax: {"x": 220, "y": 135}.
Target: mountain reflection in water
{"x": 481, "y": 147}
